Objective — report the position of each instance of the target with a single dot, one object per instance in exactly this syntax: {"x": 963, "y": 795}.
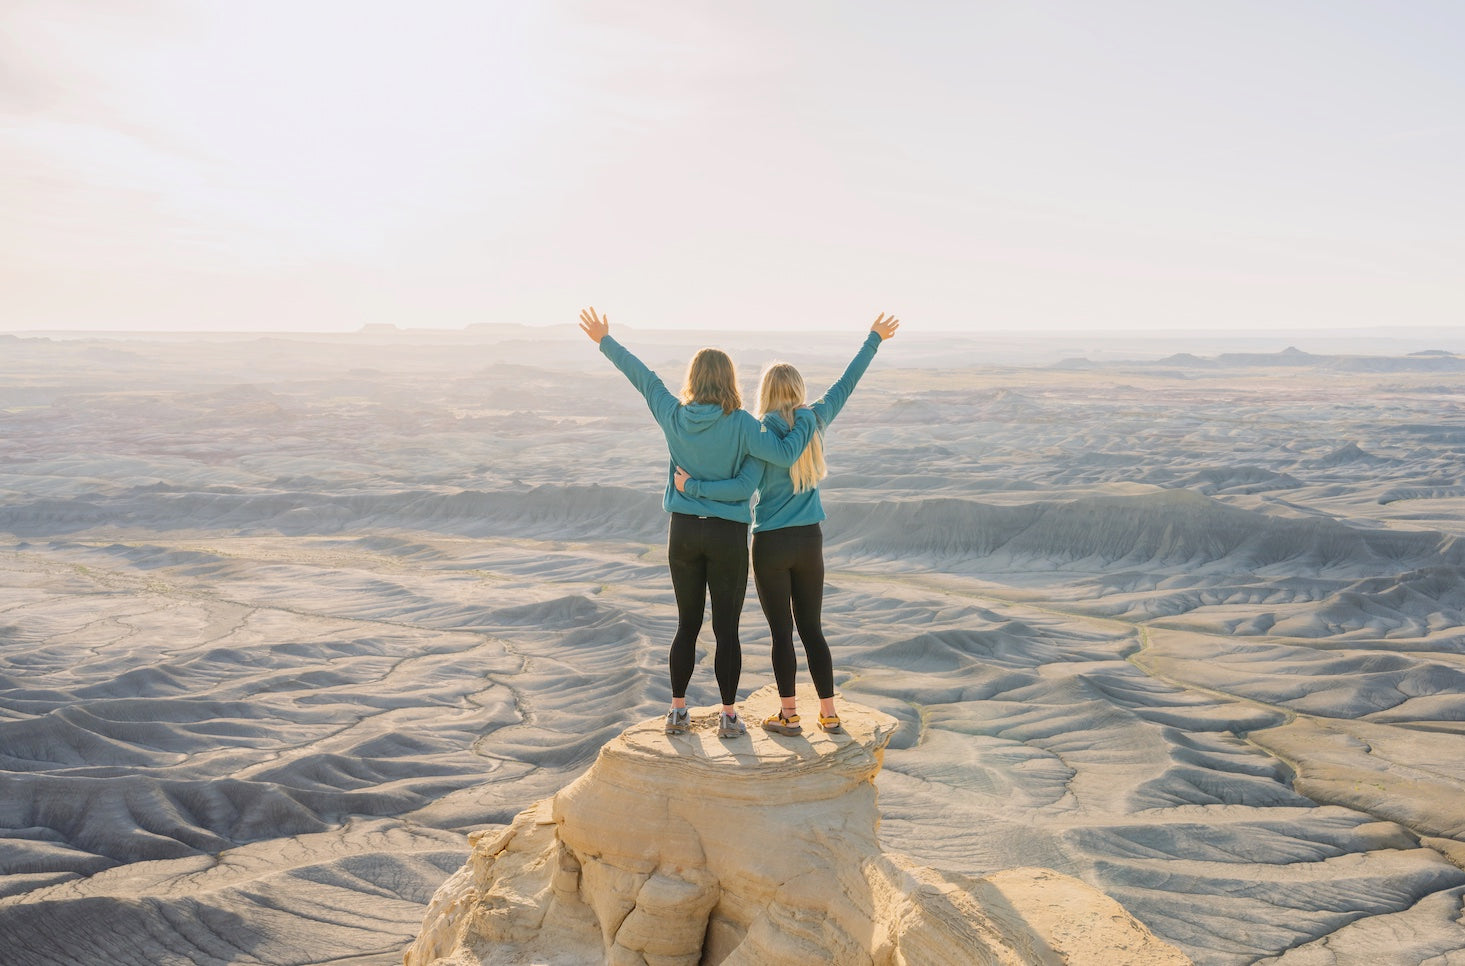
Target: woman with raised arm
{"x": 709, "y": 432}
{"x": 788, "y": 543}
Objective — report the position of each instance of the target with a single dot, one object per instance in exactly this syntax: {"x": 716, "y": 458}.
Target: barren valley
{"x": 283, "y": 619}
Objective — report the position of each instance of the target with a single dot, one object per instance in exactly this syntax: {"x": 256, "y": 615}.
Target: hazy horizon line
{"x": 910, "y": 332}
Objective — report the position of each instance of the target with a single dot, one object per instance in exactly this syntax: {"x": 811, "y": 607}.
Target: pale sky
{"x": 971, "y": 166}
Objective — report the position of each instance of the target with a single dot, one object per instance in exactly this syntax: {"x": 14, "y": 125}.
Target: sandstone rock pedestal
{"x": 756, "y": 851}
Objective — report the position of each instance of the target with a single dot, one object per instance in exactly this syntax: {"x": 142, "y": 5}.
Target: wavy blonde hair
{"x": 781, "y": 391}
{"x": 711, "y": 378}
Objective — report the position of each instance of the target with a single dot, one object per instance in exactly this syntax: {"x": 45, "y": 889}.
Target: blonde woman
{"x": 706, "y": 429}
{"x": 788, "y": 542}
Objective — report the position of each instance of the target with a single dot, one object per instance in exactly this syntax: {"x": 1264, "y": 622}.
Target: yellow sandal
{"x": 830, "y": 724}
{"x": 780, "y": 725}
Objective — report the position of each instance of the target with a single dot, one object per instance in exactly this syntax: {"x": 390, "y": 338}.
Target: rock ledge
{"x": 760, "y": 850}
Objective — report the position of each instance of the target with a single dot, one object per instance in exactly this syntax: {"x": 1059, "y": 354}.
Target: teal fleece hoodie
{"x": 778, "y": 505}
{"x": 707, "y": 442}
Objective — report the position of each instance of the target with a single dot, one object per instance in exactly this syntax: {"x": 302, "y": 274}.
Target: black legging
{"x": 707, "y": 554}
{"x": 788, "y": 567}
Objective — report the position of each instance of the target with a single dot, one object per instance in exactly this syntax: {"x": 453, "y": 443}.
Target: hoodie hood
{"x": 699, "y": 417}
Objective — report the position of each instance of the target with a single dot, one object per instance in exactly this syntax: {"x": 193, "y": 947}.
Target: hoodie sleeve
{"x": 769, "y": 447}
{"x": 662, "y": 403}
{"x": 834, "y": 398}
{"x": 732, "y": 490}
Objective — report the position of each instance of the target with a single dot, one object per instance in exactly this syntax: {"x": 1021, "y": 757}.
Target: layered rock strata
{"x": 759, "y": 850}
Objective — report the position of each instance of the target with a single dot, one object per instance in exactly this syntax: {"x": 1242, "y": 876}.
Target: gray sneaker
{"x": 730, "y": 726}
{"x": 678, "y": 721}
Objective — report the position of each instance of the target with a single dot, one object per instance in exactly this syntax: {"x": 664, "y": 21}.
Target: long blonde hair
{"x": 711, "y": 378}
{"x": 782, "y": 391}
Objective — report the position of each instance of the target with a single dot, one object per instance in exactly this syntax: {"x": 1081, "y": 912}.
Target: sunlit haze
{"x": 324, "y": 164}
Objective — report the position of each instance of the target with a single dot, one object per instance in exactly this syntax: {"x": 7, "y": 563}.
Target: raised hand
{"x": 598, "y": 327}
{"x": 883, "y": 325}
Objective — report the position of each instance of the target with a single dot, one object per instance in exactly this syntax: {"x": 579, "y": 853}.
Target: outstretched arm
{"x": 833, "y": 400}
{"x": 662, "y": 403}
{"x": 732, "y": 490}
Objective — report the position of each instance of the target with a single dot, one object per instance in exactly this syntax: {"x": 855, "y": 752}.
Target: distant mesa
{"x": 378, "y": 328}
{"x": 1412, "y": 363}
{"x": 1433, "y": 360}
{"x": 1187, "y": 359}
{"x": 758, "y": 850}
{"x": 1290, "y": 356}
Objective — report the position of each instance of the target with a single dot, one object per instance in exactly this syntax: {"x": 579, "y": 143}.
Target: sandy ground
{"x": 282, "y": 620}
